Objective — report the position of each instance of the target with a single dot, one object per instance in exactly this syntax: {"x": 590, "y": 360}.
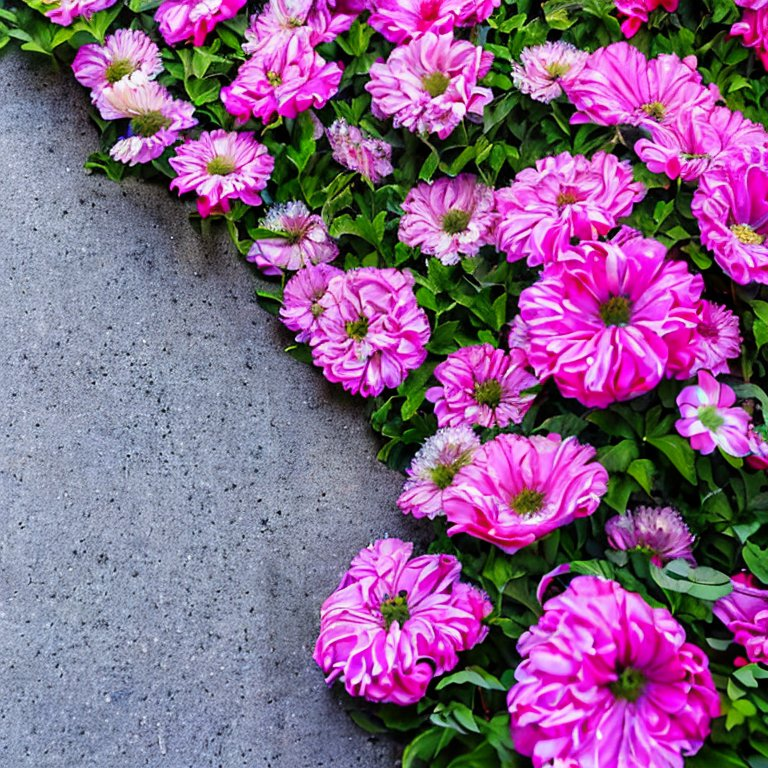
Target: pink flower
{"x": 66, "y": 11}
{"x": 433, "y": 469}
{"x": 371, "y": 332}
{"x": 718, "y": 338}
{"x": 358, "y": 151}
{"x": 659, "y": 531}
{"x": 518, "y": 489}
{"x": 448, "y": 218}
{"x": 286, "y": 80}
{"x": 637, "y": 12}
{"x": 156, "y": 119}
{"x": 219, "y": 167}
{"x": 180, "y": 20}
{"x": 544, "y": 69}
{"x": 731, "y": 206}
{"x": 755, "y": 5}
{"x": 394, "y": 623}
{"x": 619, "y": 85}
{"x": 563, "y": 198}
{"x": 482, "y": 385}
{"x": 609, "y": 325}
{"x": 758, "y": 446}
{"x": 745, "y": 612}
{"x": 430, "y": 84}
{"x": 302, "y": 293}
{"x": 708, "y": 420}
{"x": 606, "y": 680}
{"x": 301, "y": 238}
{"x": 753, "y": 28}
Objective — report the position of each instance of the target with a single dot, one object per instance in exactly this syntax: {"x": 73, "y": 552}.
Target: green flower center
{"x": 527, "y": 502}
{"x": 745, "y": 234}
{"x": 488, "y": 393}
{"x": 629, "y": 686}
{"x": 149, "y": 124}
{"x": 316, "y": 310}
{"x": 694, "y": 156}
{"x": 456, "y": 221}
{"x": 615, "y": 311}
{"x": 655, "y": 110}
{"x": 710, "y": 417}
{"x": 435, "y": 84}
{"x": 565, "y": 198}
{"x": 221, "y": 166}
{"x": 395, "y": 609}
{"x": 118, "y": 69}
{"x": 557, "y": 69}
{"x": 294, "y": 23}
{"x": 358, "y": 329}
{"x": 274, "y": 79}
{"x": 442, "y": 475}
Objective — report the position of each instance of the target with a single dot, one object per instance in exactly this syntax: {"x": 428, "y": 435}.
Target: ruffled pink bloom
{"x": 611, "y": 324}
{"x": 482, "y": 385}
{"x": 544, "y": 70}
{"x": 752, "y": 4}
{"x": 395, "y": 623}
{"x": 301, "y": 239}
{"x": 180, "y": 20}
{"x": 358, "y": 151}
{"x": 619, "y": 85}
{"x": 731, "y": 206}
{"x": 753, "y": 28}
{"x": 286, "y": 80}
{"x": 219, "y": 166}
{"x": 636, "y": 12}
{"x": 66, "y": 11}
{"x": 371, "y": 332}
{"x": 606, "y": 680}
{"x": 430, "y": 84}
{"x": 156, "y": 118}
{"x": 562, "y": 198}
{"x": 709, "y": 421}
{"x": 745, "y": 612}
{"x": 758, "y": 446}
{"x": 719, "y": 339}
{"x": 300, "y": 310}
{"x": 449, "y": 218}
{"x": 659, "y": 531}
{"x": 518, "y": 489}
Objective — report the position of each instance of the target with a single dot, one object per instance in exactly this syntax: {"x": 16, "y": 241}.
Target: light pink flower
{"x": 430, "y": 84}
{"x": 758, "y": 446}
{"x": 518, "y": 489}
{"x": 659, "y": 531}
{"x": 371, "y": 332}
{"x": 66, "y": 11}
{"x": 219, "y": 166}
{"x": 753, "y": 28}
{"x": 544, "y": 69}
{"x": 180, "y": 20}
{"x": 448, "y": 218}
{"x": 563, "y": 198}
{"x": 637, "y": 11}
{"x": 301, "y": 239}
{"x": 394, "y": 623}
{"x": 719, "y": 339}
{"x": 433, "y": 469}
{"x": 611, "y": 324}
{"x": 302, "y": 293}
{"x": 752, "y": 4}
{"x": 286, "y": 80}
{"x": 358, "y": 151}
{"x": 709, "y": 421}
{"x": 745, "y": 612}
{"x": 606, "y": 680}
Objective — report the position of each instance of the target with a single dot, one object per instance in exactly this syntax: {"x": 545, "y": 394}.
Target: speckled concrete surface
{"x": 177, "y": 495}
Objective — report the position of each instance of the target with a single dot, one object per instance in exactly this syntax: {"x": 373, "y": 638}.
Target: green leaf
{"x": 703, "y": 583}
{"x": 756, "y": 560}
{"x": 617, "y": 458}
{"x": 678, "y": 450}
{"x": 643, "y": 471}
{"x": 474, "y": 676}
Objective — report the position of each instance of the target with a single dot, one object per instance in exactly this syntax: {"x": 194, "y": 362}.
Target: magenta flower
{"x": 758, "y": 447}
{"x": 753, "y": 29}
{"x": 395, "y": 623}
{"x": 219, "y": 167}
{"x": 745, "y": 612}
{"x": 302, "y": 293}
{"x": 731, "y": 206}
{"x": 358, "y": 151}
{"x": 301, "y": 238}
{"x": 66, "y": 11}
{"x": 287, "y": 80}
{"x": 518, "y": 489}
{"x": 371, "y": 331}
{"x": 611, "y": 324}
{"x": 659, "y": 531}
{"x": 562, "y": 198}
{"x": 719, "y": 339}
{"x": 433, "y": 469}
{"x": 449, "y": 218}
{"x": 430, "y": 84}
{"x": 606, "y": 680}
{"x": 482, "y": 385}
{"x": 636, "y": 13}
{"x": 180, "y": 20}
{"x": 544, "y": 69}
{"x": 709, "y": 421}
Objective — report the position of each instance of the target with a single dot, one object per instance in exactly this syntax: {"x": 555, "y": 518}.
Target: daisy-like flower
{"x": 219, "y": 166}
{"x": 396, "y": 622}
{"x": 606, "y": 680}
{"x": 358, "y": 151}
{"x": 301, "y": 238}
{"x": 753, "y": 29}
{"x": 66, "y": 11}
{"x": 745, "y": 612}
{"x": 636, "y": 12}
{"x": 156, "y": 119}
{"x": 430, "y": 84}
{"x": 449, "y": 218}
{"x": 659, "y": 531}
{"x": 433, "y": 469}
{"x": 518, "y": 489}
{"x": 719, "y": 339}
{"x": 708, "y": 419}
{"x": 758, "y": 447}
{"x": 180, "y": 20}
{"x": 482, "y": 385}
{"x": 544, "y": 69}
{"x": 563, "y": 198}
{"x": 301, "y": 299}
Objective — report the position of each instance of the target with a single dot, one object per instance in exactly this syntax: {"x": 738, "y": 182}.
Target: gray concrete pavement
{"x": 177, "y": 495}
